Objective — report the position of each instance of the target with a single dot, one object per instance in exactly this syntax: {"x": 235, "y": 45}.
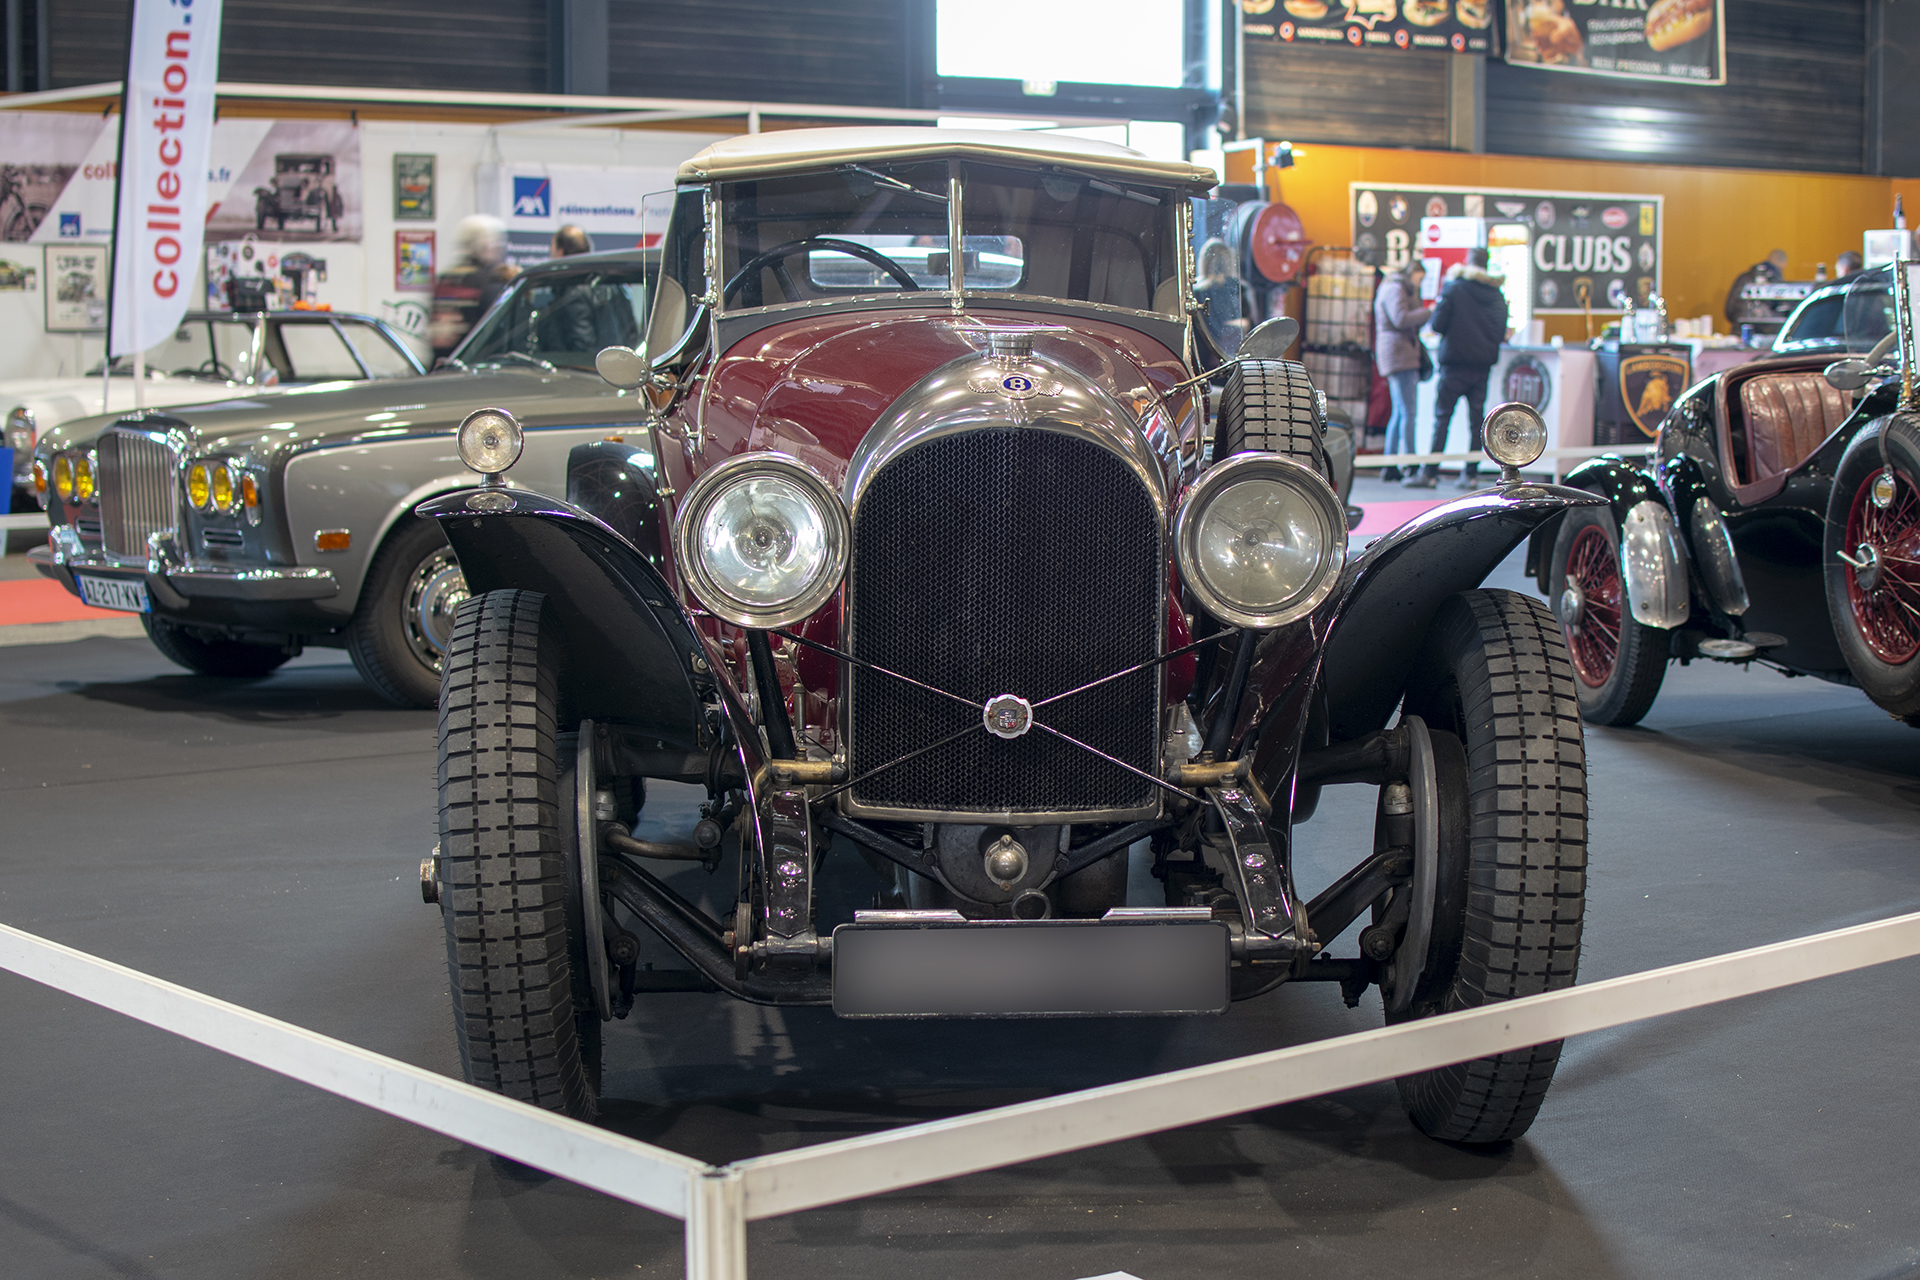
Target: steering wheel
{"x": 781, "y": 252}
{"x": 211, "y": 364}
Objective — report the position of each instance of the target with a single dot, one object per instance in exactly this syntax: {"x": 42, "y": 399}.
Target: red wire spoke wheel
{"x": 1883, "y": 579}
{"x": 1593, "y": 633}
{"x": 1871, "y": 553}
{"x": 1618, "y": 662}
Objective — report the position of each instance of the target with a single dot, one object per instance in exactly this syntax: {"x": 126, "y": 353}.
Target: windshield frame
{"x": 957, "y": 296}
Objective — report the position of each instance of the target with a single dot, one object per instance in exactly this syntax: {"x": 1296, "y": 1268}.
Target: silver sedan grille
{"x": 138, "y": 478}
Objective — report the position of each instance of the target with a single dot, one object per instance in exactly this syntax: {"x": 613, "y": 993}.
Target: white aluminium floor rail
{"x": 717, "y": 1203}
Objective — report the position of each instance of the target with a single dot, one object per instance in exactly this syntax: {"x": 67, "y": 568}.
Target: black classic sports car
{"x": 245, "y": 529}
{"x": 949, "y": 594}
{"x": 1777, "y": 525}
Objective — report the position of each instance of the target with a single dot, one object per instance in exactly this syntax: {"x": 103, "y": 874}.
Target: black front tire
{"x": 230, "y": 658}
{"x": 402, "y": 625}
{"x": 1495, "y": 674}
{"x": 1616, "y": 688}
{"x": 514, "y": 945}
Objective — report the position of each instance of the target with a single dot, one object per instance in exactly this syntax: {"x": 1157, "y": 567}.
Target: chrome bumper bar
{"x": 173, "y": 584}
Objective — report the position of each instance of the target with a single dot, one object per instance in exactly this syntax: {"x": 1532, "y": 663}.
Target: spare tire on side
{"x": 1270, "y": 406}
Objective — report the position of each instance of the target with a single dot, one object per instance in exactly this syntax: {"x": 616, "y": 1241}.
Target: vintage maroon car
{"x": 940, "y": 578}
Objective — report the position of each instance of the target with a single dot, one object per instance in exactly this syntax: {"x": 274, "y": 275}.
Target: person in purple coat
{"x": 1397, "y": 317}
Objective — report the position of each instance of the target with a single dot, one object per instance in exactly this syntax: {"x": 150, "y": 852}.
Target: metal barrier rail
{"x": 717, "y": 1202}
{"x": 1364, "y": 460}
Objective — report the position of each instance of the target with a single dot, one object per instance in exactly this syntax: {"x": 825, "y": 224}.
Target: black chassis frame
{"x": 1304, "y": 706}
{"x": 1777, "y": 538}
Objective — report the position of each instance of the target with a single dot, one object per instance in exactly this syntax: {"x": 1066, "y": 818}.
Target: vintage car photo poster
{"x": 1584, "y": 252}
{"x": 1665, "y": 40}
{"x": 301, "y": 182}
{"x": 413, "y": 188}
{"x": 413, "y": 260}
{"x": 76, "y": 288}
{"x": 1463, "y": 26}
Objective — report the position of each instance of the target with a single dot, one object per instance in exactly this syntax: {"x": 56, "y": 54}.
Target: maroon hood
{"x": 814, "y": 387}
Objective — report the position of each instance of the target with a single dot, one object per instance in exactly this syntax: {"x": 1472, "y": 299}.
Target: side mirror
{"x": 1848, "y": 375}
{"x": 624, "y": 367}
{"x": 1270, "y": 339}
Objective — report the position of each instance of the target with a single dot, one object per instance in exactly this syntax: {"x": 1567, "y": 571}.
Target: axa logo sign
{"x": 532, "y": 197}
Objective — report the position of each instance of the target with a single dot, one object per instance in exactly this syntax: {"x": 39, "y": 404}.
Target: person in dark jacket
{"x": 568, "y": 324}
{"x": 1471, "y": 320}
{"x": 1397, "y": 317}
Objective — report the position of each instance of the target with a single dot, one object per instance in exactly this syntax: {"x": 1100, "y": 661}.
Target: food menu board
{"x": 1585, "y": 251}
{"x": 1463, "y": 26}
{"x": 1683, "y": 40}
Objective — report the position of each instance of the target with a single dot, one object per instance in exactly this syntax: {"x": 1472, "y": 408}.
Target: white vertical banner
{"x": 166, "y": 130}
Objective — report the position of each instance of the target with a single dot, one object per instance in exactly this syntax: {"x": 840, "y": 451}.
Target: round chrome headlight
{"x": 1260, "y": 540}
{"x": 1516, "y": 435}
{"x": 490, "y": 441}
{"x": 762, "y": 540}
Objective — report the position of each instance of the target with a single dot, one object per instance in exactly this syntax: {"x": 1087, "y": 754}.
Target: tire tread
{"x": 1526, "y": 893}
{"x": 502, "y": 867}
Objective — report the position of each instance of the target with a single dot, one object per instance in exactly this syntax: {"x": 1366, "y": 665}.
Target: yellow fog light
{"x": 199, "y": 485}
{"x": 222, "y": 487}
{"x": 83, "y": 478}
{"x": 63, "y": 477}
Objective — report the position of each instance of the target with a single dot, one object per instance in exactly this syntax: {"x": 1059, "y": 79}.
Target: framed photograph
{"x": 412, "y": 188}
{"x": 75, "y": 287}
{"x": 413, "y": 260}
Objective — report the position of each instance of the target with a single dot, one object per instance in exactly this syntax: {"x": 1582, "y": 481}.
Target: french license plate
{"x": 113, "y": 593}
{"x": 1015, "y": 969}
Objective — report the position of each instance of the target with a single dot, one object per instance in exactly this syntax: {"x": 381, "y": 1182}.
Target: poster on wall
{"x": 413, "y": 260}
{"x": 413, "y": 188}
{"x": 1579, "y": 251}
{"x": 536, "y": 200}
{"x": 1461, "y": 26}
{"x": 76, "y": 288}
{"x": 300, "y": 182}
{"x": 283, "y": 273}
{"x": 1683, "y": 40}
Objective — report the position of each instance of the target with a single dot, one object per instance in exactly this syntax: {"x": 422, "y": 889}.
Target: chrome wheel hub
{"x": 1866, "y": 566}
{"x": 1573, "y": 607}
{"x": 434, "y": 591}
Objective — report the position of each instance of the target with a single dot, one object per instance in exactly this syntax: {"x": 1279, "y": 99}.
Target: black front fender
{"x": 631, "y": 654}
{"x": 1380, "y": 615}
{"x": 1620, "y": 482}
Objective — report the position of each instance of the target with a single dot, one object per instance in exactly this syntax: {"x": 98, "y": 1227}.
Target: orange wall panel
{"x": 1718, "y": 221}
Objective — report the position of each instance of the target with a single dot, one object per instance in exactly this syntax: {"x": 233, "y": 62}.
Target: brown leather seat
{"x": 1786, "y": 416}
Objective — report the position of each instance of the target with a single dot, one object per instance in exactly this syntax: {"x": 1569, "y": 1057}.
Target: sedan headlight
{"x": 199, "y": 485}
{"x": 83, "y": 485}
{"x": 1260, "y": 539}
{"x": 222, "y": 487}
{"x": 762, "y": 540}
{"x": 63, "y": 476}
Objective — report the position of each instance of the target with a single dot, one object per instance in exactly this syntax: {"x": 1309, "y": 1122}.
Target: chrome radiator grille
{"x": 1015, "y": 561}
{"x": 137, "y": 488}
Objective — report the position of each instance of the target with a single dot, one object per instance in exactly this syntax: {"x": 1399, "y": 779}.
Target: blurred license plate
{"x": 113, "y": 593}
{"x": 1019, "y": 969}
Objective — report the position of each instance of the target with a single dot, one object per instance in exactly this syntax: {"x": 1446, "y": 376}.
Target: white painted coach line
{"x": 718, "y": 1202}
{"x": 1366, "y": 460}
{"x": 644, "y": 1175}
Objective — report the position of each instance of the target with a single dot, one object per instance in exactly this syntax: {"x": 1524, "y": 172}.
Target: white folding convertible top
{"x": 760, "y": 155}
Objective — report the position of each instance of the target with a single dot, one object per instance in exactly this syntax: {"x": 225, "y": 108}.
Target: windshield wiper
{"x": 535, "y": 361}
{"x": 886, "y": 181}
